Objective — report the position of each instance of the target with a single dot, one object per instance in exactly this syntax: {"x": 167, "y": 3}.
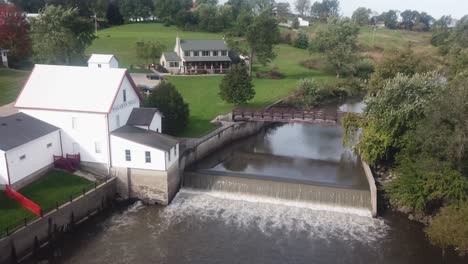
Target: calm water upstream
{"x": 216, "y": 226}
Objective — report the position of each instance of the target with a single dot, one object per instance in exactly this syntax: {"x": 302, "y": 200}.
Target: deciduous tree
{"x": 14, "y": 34}
{"x": 339, "y": 42}
{"x": 170, "y": 102}
{"x": 149, "y": 51}
{"x": 114, "y": 17}
{"x": 60, "y": 36}
{"x": 362, "y": 16}
{"x": 302, "y": 6}
{"x": 325, "y": 9}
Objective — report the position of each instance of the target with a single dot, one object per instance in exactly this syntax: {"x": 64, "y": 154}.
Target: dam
{"x": 297, "y": 163}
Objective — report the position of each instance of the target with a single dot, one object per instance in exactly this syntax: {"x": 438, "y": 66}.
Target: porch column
{"x": 212, "y": 71}
{"x": 221, "y": 68}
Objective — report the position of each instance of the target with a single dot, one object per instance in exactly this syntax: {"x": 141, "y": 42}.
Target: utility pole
{"x": 95, "y": 23}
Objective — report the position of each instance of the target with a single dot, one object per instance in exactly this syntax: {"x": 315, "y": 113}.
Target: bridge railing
{"x": 287, "y": 115}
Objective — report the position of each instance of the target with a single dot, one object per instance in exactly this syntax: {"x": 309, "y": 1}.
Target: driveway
{"x": 140, "y": 79}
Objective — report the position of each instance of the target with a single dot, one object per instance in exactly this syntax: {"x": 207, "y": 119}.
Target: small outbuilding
{"x": 27, "y": 147}
{"x": 4, "y": 56}
{"x": 105, "y": 61}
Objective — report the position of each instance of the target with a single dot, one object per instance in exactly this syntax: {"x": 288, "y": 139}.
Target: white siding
{"x": 90, "y": 128}
{"x": 172, "y": 156}
{"x": 119, "y": 145}
{"x": 156, "y": 123}
{"x": 113, "y": 63}
{"x": 37, "y": 156}
{"x": 121, "y": 110}
{"x": 3, "y": 169}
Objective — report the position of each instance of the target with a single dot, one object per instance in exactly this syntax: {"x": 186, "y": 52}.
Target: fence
{"x": 28, "y": 218}
{"x": 28, "y": 237}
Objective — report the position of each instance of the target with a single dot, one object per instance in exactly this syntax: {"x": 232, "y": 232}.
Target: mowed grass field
{"x": 11, "y": 83}
{"x": 55, "y": 187}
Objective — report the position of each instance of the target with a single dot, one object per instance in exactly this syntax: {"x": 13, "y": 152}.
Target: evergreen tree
{"x": 236, "y": 86}
{"x": 302, "y": 41}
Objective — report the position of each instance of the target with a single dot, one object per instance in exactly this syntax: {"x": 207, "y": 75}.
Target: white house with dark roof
{"x": 196, "y": 56}
{"x": 27, "y": 147}
{"x": 97, "y": 109}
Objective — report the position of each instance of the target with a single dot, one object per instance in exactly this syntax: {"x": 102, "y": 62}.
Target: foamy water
{"x": 272, "y": 215}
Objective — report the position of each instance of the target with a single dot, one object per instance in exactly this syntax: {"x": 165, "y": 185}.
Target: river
{"x": 217, "y": 226}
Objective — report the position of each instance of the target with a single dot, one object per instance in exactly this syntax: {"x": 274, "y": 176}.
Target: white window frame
{"x": 22, "y": 157}
{"x": 74, "y": 122}
{"x": 97, "y": 147}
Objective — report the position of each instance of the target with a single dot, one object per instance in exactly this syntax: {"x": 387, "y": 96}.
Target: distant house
{"x": 103, "y": 61}
{"x": 4, "y": 55}
{"x": 197, "y": 57}
{"x": 303, "y": 23}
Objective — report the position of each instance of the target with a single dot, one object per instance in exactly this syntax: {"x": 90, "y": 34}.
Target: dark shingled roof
{"x": 19, "y": 129}
{"x": 146, "y": 137}
{"x": 203, "y": 44}
{"x": 207, "y": 58}
{"x": 141, "y": 116}
{"x": 171, "y": 56}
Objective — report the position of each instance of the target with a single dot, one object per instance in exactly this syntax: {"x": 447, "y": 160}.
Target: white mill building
{"x": 96, "y": 110}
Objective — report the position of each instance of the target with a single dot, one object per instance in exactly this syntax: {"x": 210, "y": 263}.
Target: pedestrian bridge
{"x": 288, "y": 115}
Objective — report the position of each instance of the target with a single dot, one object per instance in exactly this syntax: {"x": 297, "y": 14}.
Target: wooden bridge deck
{"x": 286, "y": 115}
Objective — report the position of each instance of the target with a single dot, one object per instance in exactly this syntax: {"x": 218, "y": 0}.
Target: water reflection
{"x": 309, "y": 153}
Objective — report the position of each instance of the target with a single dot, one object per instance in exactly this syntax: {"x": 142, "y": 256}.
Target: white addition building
{"x": 27, "y": 147}
{"x": 97, "y": 110}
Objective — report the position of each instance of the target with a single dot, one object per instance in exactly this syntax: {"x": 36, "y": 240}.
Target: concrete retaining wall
{"x": 200, "y": 148}
{"x": 24, "y": 238}
{"x": 372, "y": 186}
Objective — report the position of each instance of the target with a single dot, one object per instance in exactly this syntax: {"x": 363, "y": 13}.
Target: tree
{"x": 362, "y": 16}
{"x": 295, "y": 23}
{"x": 441, "y": 32}
{"x": 186, "y": 20}
{"x": 170, "y": 102}
{"x": 206, "y": 2}
{"x": 339, "y": 42}
{"x": 150, "y": 51}
{"x": 136, "y": 9}
{"x": 30, "y": 6}
{"x": 394, "y": 62}
{"x": 302, "y": 41}
{"x": 113, "y": 14}
{"x": 260, "y": 37}
{"x": 170, "y": 8}
{"x": 390, "y": 19}
{"x": 302, "y": 6}
{"x": 14, "y": 33}
{"x": 236, "y": 86}
{"x": 60, "y": 36}
{"x": 283, "y": 9}
{"x": 423, "y": 22}
{"x": 240, "y": 7}
{"x": 260, "y": 6}
{"x": 409, "y": 19}
{"x": 396, "y": 110}
{"x": 449, "y": 228}
{"x": 325, "y": 9}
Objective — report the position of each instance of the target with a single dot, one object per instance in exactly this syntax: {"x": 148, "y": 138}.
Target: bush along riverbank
{"x": 310, "y": 94}
{"x": 413, "y": 134}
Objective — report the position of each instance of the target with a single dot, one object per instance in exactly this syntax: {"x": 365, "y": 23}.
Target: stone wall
{"x": 24, "y": 238}
{"x": 372, "y": 186}
{"x": 150, "y": 186}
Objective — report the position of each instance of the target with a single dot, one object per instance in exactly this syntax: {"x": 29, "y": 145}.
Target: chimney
{"x": 177, "y": 46}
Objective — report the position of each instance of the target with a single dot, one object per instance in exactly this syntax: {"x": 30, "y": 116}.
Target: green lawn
{"x": 11, "y": 83}
{"x": 56, "y": 186}
{"x": 201, "y": 92}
